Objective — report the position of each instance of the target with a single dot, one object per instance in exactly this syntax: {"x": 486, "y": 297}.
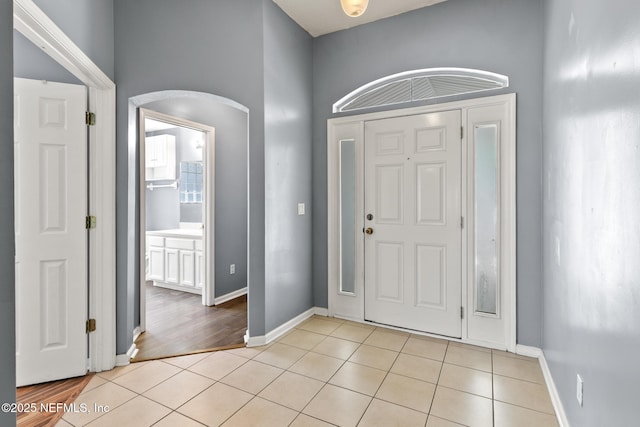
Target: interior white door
{"x": 413, "y": 256}
{"x": 51, "y": 238}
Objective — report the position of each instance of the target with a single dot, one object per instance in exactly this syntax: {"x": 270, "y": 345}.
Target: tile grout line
{"x": 342, "y": 364}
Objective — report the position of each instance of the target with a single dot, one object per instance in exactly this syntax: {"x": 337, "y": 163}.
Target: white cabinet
{"x": 171, "y": 266}
{"x": 175, "y": 262}
{"x": 187, "y": 268}
{"x": 160, "y": 157}
{"x": 155, "y": 258}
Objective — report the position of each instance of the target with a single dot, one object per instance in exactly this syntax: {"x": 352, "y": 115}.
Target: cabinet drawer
{"x": 179, "y": 244}
{"x": 155, "y": 241}
{"x": 198, "y": 244}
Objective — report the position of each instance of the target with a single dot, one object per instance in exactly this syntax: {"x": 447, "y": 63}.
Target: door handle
{"x": 369, "y": 230}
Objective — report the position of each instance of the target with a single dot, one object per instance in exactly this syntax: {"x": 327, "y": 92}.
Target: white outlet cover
{"x": 300, "y": 208}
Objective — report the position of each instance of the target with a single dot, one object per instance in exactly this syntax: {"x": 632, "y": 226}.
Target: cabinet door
{"x": 172, "y": 266}
{"x": 156, "y": 263}
{"x": 199, "y": 269}
{"x": 187, "y": 268}
{"x": 156, "y": 151}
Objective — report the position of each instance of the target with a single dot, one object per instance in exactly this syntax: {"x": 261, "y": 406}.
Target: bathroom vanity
{"x": 175, "y": 259}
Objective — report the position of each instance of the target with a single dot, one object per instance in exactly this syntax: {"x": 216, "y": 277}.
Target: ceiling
{"x": 151, "y": 125}
{"x": 320, "y": 17}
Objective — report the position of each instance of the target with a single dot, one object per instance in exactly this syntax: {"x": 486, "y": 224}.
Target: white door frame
{"x": 36, "y": 26}
{"x": 350, "y": 305}
{"x": 208, "y": 156}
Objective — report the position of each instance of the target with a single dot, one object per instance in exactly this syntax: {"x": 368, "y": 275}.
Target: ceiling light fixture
{"x": 354, "y": 8}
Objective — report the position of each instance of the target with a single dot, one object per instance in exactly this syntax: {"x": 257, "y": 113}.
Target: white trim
{"x": 258, "y": 341}
{"x": 525, "y": 350}
{"x": 320, "y": 311}
{"x": 280, "y": 330}
{"x": 136, "y": 333}
{"x": 537, "y": 353}
{"x": 36, "y": 26}
{"x": 231, "y": 295}
{"x": 123, "y": 360}
{"x": 561, "y": 415}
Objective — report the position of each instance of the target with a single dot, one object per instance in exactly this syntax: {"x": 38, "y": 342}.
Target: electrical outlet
{"x": 300, "y": 208}
{"x": 232, "y": 269}
{"x": 579, "y": 385}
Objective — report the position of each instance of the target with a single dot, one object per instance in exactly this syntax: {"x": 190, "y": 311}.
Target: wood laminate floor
{"x": 47, "y": 399}
{"x": 178, "y": 323}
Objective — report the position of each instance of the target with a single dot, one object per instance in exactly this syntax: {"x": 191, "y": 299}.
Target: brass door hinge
{"x": 91, "y": 325}
{"x": 90, "y": 118}
{"x": 90, "y": 222}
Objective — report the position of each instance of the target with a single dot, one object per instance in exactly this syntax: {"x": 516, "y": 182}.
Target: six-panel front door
{"x": 413, "y": 240}
{"x": 51, "y": 238}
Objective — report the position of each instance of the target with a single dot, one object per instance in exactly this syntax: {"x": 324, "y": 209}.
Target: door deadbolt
{"x": 369, "y": 230}
{"x": 369, "y": 217}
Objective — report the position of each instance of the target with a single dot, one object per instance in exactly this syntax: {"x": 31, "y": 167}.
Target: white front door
{"x": 413, "y": 256}
{"x": 51, "y": 238}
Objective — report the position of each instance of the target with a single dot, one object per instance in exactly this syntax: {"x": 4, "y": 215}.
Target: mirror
{"x": 486, "y": 218}
{"x": 347, "y": 216}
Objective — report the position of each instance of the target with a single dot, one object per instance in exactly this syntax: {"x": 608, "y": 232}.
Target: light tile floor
{"x": 325, "y": 372}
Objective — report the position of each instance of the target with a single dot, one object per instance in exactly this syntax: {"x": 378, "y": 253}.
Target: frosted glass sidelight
{"x": 486, "y": 218}
{"x": 347, "y": 216}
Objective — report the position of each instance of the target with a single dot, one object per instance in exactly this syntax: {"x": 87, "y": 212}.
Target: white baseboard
{"x": 230, "y": 296}
{"x": 282, "y": 329}
{"x": 124, "y": 359}
{"x": 320, "y": 311}
{"x": 561, "y": 415}
{"x": 525, "y": 350}
{"x": 136, "y": 333}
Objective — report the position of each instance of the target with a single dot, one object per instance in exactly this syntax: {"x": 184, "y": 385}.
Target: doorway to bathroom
{"x": 177, "y": 202}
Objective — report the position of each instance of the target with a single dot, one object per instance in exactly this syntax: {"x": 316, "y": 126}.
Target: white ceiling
{"x": 320, "y": 17}
{"x": 151, "y": 125}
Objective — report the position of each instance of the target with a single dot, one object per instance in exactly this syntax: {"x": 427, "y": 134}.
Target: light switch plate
{"x": 300, "y": 208}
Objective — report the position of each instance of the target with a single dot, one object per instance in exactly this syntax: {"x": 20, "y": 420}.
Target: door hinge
{"x": 91, "y": 325}
{"x": 461, "y": 132}
{"x": 90, "y": 222}
{"x": 461, "y": 222}
{"x": 90, "y": 118}
{"x": 462, "y": 312}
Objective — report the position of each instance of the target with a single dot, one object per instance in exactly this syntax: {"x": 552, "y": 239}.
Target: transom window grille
{"x": 419, "y": 85}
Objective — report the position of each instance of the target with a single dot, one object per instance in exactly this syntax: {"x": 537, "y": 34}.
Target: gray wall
{"x": 495, "y": 35}
{"x": 230, "y": 180}
{"x": 89, "y": 24}
{"x": 7, "y": 238}
{"x": 208, "y": 46}
{"x": 288, "y": 77}
{"x": 591, "y": 181}
{"x": 30, "y": 62}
